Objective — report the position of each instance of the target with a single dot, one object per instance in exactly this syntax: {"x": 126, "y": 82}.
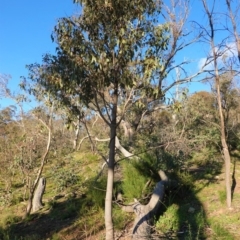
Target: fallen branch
{"x": 145, "y": 213}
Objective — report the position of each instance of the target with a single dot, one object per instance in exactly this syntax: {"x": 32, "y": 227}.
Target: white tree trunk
{"x": 146, "y": 213}
{"x": 111, "y": 163}
{"x": 37, "y": 198}
{"x": 122, "y": 149}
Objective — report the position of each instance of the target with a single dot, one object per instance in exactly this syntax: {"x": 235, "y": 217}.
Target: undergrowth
{"x": 74, "y": 202}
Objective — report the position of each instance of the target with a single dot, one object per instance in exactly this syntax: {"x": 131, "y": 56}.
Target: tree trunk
{"x": 43, "y": 161}
{"x": 37, "y": 198}
{"x": 145, "y": 213}
{"x": 76, "y": 136}
{"x": 226, "y": 154}
{"x": 110, "y": 176}
{"x": 122, "y": 149}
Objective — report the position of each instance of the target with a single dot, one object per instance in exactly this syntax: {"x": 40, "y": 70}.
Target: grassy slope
{"x": 76, "y": 212}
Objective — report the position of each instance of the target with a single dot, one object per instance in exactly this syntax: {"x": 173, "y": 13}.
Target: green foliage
{"x": 96, "y": 193}
{"x": 133, "y": 182}
{"x": 71, "y": 210}
{"x": 204, "y": 156}
{"x": 5, "y": 198}
{"x": 183, "y": 218}
{"x": 65, "y": 174}
{"x": 91, "y": 158}
{"x": 136, "y": 174}
{"x": 185, "y": 179}
{"x": 4, "y": 235}
{"x": 51, "y": 204}
{"x": 120, "y": 218}
{"x": 169, "y": 221}
{"x": 64, "y": 179}
{"x": 113, "y": 44}
{"x": 55, "y": 237}
{"x": 170, "y": 160}
{"x": 92, "y": 222}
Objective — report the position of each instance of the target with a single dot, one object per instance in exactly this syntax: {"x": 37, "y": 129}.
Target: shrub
{"x": 169, "y": 221}
{"x": 133, "y": 181}
{"x": 65, "y": 178}
{"x": 96, "y": 193}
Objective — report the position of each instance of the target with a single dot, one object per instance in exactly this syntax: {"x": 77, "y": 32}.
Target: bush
{"x": 169, "y": 221}
{"x": 120, "y": 218}
{"x": 96, "y": 193}
{"x": 204, "y": 156}
{"x": 65, "y": 178}
{"x": 133, "y": 182}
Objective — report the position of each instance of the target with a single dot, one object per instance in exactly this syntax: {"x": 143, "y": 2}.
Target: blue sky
{"x": 26, "y": 26}
{"x": 25, "y": 29}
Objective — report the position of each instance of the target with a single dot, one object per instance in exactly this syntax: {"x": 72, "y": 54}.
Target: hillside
{"x": 73, "y": 206}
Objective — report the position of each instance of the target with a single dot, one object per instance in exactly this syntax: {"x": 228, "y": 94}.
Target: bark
{"x": 145, "y": 213}
{"x": 118, "y": 146}
{"x": 37, "y": 199}
{"x": 122, "y": 149}
{"x": 76, "y": 136}
{"x": 111, "y": 163}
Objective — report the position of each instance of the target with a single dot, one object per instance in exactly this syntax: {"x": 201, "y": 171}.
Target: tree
{"x": 112, "y": 59}
{"x": 36, "y": 189}
{"x": 107, "y": 50}
{"x": 215, "y": 56}
{"x": 24, "y": 145}
{"x": 37, "y": 198}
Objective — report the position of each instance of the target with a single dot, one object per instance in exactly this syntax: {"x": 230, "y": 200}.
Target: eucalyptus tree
{"x": 216, "y": 53}
{"x": 111, "y": 47}
{"x": 111, "y": 58}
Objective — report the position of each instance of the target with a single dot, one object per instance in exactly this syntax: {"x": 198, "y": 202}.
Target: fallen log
{"x": 145, "y": 214}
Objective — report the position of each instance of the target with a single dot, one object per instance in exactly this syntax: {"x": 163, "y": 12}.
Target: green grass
{"x": 220, "y": 232}
{"x": 194, "y": 210}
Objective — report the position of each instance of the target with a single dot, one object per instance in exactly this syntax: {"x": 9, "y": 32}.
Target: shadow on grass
{"x": 183, "y": 215}
{"x": 72, "y": 216}
{"x": 43, "y": 225}
{"x": 183, "y": 212}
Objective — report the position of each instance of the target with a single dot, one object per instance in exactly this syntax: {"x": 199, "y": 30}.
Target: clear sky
{"x": 26, "y": 26}
{"x": 25, "y": 30}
